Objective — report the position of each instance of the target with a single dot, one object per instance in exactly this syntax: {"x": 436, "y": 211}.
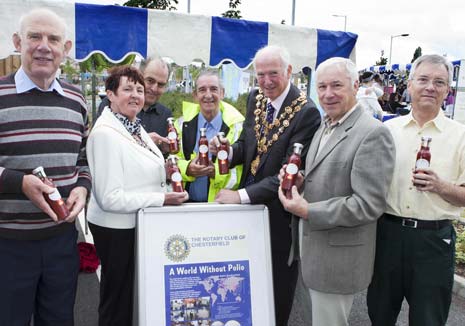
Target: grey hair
{"x": 347, "y": 64}
{"x": 433, "y": 59}
{"x": 144, "y": 64}
{"x": 41, "y": 12}
{"x": 281, "y": 52}
{"x": 209, "y": 72}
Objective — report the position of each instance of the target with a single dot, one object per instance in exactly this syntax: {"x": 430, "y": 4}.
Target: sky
{"x": 435, "y": 26}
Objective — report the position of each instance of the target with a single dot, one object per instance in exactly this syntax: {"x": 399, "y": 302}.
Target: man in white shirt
{"x": 415, "y": 249}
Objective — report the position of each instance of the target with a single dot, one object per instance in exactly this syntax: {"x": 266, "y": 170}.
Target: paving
{"x": 88, "y": 288}
{"x": 301, "y": 312}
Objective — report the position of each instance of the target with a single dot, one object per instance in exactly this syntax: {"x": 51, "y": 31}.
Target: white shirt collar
{"x": 278, "y": 102}
{"x": 25, "y": 84}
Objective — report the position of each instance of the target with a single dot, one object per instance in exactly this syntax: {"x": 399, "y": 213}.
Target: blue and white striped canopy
{"x": 116, "y": 31}
{"x": 400, "y": 67}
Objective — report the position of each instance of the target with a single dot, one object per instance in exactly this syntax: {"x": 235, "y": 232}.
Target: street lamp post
{"x": 345, "y": 20}
{"x": 390, "y": 47}
{"x": 293, "y": 12}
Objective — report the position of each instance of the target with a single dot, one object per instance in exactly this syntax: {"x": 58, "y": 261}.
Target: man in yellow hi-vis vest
{"x": 211, "y": 113}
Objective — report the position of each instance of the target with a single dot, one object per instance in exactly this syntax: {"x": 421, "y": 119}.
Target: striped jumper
{"x": 39, "y": 129}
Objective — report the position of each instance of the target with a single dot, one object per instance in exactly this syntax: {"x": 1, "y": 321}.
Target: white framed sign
{"x": 204, "y": 264}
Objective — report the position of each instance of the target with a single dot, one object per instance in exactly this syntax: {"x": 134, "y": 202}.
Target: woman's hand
{"x": 175, "y": 198}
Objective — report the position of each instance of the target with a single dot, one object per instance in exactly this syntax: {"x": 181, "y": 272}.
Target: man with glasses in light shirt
{"x": 416, "y": 240}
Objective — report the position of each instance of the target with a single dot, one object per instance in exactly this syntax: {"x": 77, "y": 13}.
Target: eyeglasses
{"x": 437, "y": 83}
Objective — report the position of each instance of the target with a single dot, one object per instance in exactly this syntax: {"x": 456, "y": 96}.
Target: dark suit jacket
{"x": 189, "y": 135}
{"x": 265, "y": 189}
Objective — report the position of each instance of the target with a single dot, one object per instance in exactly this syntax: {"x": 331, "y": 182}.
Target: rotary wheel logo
{"x": 177, "y": 248}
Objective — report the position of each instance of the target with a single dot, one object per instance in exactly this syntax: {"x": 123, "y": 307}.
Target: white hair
{"x": 433, "y": 59}
{"x": 348, "y": 65}
{"x": 42, "y": 13}
{"x": 279, "y": 51}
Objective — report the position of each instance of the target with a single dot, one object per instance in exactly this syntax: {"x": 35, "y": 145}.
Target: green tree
{"x": 382, "y": 60}
{"x": 195, "y": 71}
{"x": 233, "y": 11}
{"x": 96, "y": 63}
{"x": 416, "y": 54}
{"x": 68, "y": 69}
{"x": 152, "y": 4}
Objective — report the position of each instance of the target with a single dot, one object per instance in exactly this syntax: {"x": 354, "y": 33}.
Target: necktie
{"x": 269, "y": 113}
{"x": 269, "y": 118}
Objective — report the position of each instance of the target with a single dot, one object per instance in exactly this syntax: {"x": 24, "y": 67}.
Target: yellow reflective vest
{"x": 234, "y": 120}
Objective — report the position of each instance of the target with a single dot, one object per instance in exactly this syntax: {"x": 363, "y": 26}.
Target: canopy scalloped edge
{"x": 181, "y": 37}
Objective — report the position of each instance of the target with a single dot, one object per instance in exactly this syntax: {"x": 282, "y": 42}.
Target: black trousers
{"x": 39, "y": 277}
{"x": 415, "y": 264}
{"x": 115, "y": 248}
{"x": 284, "y": 283}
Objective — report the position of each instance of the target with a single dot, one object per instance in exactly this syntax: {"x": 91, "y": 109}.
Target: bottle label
{"x": 292, "y": 169}
{"x": 176, "y": 177}
{"x": 421, "y": 164}
{"x": 222, "y": 155}
{"x": 55, "y": 195}
{"x": 172, "y": 135}
{"x": 203, "y": 149}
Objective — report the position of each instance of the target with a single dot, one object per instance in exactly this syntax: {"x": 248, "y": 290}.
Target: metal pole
{"x": 188, "y": 6}
{"x": 293, "y": 12}
{"x": 390, "y": 47}
{"x": 390, "y": 50}
{"x": 94, "y": 92}
{"x": 456, "y": 91}
{"x": 309, "y": 81}
{"x": 345, "y": 21}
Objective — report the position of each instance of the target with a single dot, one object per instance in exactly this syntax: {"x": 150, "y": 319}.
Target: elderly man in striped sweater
{"x": 43, "y": 122}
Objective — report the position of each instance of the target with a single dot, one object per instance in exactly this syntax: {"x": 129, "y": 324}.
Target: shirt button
{"x": 162, "y": 184}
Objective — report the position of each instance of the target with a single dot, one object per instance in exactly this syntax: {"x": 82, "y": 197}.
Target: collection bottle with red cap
{"x": 222, "y": 155}
{"x": 54, "y": 199}
{"x": 173, "y": 136}
{"x": 292, "y": 168}
{"x": 174, "y": 174}
{"x": 423, "y": 156}
{"x": 203, "y": 147}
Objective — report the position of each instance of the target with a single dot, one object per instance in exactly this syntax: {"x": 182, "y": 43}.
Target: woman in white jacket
{"x": 128, "y": 174}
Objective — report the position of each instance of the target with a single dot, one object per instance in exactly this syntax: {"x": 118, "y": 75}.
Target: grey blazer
{"x": 346, "y": 187}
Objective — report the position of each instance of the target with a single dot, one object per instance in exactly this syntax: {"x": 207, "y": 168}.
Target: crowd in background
{"x": 395, "y": 98}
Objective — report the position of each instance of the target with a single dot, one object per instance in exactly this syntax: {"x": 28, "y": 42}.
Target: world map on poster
{"x": 225, "y": 289}
{"x": 208, "y": 294}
